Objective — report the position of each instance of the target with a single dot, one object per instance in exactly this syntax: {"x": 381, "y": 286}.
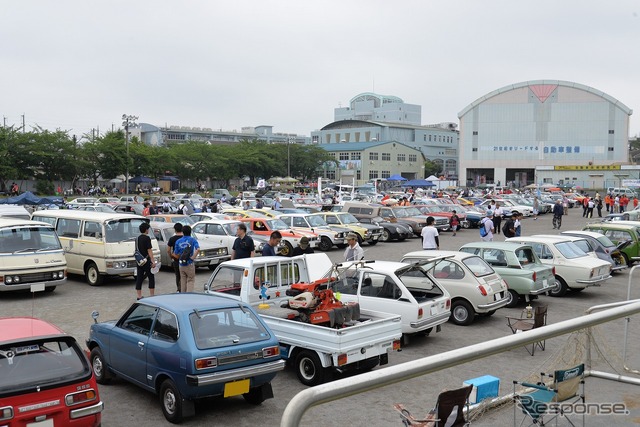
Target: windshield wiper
{"x": 48, "y": 248}
{"x": 128, "y": 239}
{"x": 19, "y": 251}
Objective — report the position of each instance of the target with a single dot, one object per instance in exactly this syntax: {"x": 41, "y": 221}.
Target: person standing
{"x": 497, "y": 218}
{"x": 607, "y": 201}
{"x": 454, "y": 222}
{"x": 353, "y": 252}
{"x": 585, "y": 205}
{"x": 303, "y": 247}
{"x": 635, "y": 202}
{"x": 558, "y": 211}
{"x": 271, "y": 247}
{"x": 187, "y": 249}
{"x": 173, "y": 257}
{"x": 143, "y": 245}
{"x": 565, "y": 204}
{"x": 276, "y": 204}
{"x": 430, "y": 239}
{"x": 616, "y": 205}
{"x": 487, "y": 223}
{"x": 624, "y": 201}
{"x": 243, "y": 246}
{"x": 510, "y": 225}
{"x": 598, "y": 207}
{"x": 518, "y": 225}
{"x": 153, "y": 208}
{"x": 536, "y": 207}
{"x": 590, "y": 205}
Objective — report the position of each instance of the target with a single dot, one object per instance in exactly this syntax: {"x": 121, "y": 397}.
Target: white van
{"x": 97, "y": 244}
{"x": 619, "y": 191}
{"x": 31, "y": 256}
{"x": 14, "y": 211}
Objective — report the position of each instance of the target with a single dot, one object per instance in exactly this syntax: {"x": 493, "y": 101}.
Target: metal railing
{"x": 371, "y": 380}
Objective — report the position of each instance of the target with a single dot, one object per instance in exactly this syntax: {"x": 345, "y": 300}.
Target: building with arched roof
{"x": 543, "y": 131}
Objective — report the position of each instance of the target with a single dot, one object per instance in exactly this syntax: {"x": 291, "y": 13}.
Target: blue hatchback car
{"x": 185, "y": 347}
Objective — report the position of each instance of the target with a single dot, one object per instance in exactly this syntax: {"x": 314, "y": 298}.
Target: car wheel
{"x": 94, "y": 278}
{"x": 515, "y": 299}
{"x": 325, "y": 244}
{"x": 385, "y": 235}
{"x": 171, "y": 402}
{"x": 466, "y": 224}
{"x": 626, "y": 260}
{"x": 255, "y": 396}
{"x": 462, "y": 313}
{"x": 559, "y": 289}
{"x": 309, "y": 369}
{"x": 99, "y": 366}
{"x": 287, "y": 250}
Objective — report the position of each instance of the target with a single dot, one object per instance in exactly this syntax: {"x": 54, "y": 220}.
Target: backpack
{"x": 180, "y": 210}
{"x": 506, "y": 229}
{"x": 483, "y": 229}
{"x": 185, "y": 255}
{"x": 146, "y": 211}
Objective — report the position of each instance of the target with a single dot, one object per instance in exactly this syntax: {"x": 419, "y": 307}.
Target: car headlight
{"x": 222, "y": 251}
{"x": 202, "y": 254}
{"x": 340, "y": 235}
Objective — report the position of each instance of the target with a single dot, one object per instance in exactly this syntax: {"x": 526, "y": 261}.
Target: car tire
{"x": 466, "y": 224}
{"x": 627, "y": 262}
{"x": 462, "y": 313}
{"x": 309, "y": 370}
{"x": 560, "y": 288}
{"x": 99, "y": 366}
{"x": 91, "y": 272}
{"x": 325, "y": 244}
{"x": 171, "y": 401}
{"x": 287, "y": 250}
{"x": 515, "y": 299}
{"x": 386, "y": 236}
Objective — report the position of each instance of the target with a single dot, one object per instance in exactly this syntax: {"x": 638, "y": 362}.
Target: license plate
{"x": 45, "y": 423}
{"x": 236, "y": 388}
{"x": 497, "y": 296}
{"x": 214, "y": 261}
{"x": 544, "y": 283}
{"x": 433, "y": 310}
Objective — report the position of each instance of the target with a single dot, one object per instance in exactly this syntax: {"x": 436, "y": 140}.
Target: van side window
{"x": 92, "y": 229}
{"x": 68, "y": 228}
{"x": 51, "y": 221}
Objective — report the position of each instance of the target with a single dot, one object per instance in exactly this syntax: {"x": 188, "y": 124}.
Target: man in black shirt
{"x": 303, "y": 247}
{"x": 509, "y": 229}
{"x": 175, "y": 258}
{"x": 143, "y": 243}
{"x": 243, "y": 247}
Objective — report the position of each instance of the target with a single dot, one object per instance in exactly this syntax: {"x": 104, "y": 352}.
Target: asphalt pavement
{"x": 70, "y": 307}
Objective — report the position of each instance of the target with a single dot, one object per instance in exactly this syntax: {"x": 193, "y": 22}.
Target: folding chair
{"x": 523, "y": 323}
{"x": 567, "y": 389}
{"x": 449, "y": 410}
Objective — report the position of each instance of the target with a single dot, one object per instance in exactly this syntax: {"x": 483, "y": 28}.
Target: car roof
{"x": 218, "y": 221}
{"x": 585, "y": 233}
{"x": 188, "y": 302}
{"x": 495, "y": 245}
{"x": 540, "y": 239}
{"x": 620, "y": 225}
{"x": 162, "y": 224}
{"x": 18, "y": 328}
{"x": 431, "y": 254}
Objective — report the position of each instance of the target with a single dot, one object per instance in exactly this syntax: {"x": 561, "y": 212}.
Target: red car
{"x": 45, "y": 378}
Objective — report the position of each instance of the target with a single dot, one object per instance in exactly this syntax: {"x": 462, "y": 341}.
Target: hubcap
{"x": 308, "y": 371}
{"x": 97, "y": 366}
{"x": 460, "y": 314}
{"x": 170, "y": 401}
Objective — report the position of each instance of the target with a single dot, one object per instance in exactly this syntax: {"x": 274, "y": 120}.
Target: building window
{"x": 413, "y": 157}
{"x": 386, "y": 156}
{"x": 373, "y": 156}
{"x": 475, "y": 132}
{"x": 356, "y": 156}
{"x": 330, "y": 174}
{"x": 610, "y": 148}
{"x": 385, "y": 174}
{"x": 402, "y": 158}
{"x": 429, "y": 138}
{"x": 358, "y": 175}
{"x": 611, "y": 131}
{"x": 314, "y": 139}
{"x": 474, "y": 149}
{"x": 424, "y": 137}
{"x": 344, "y": 156}
{"x": 373, "y": 174}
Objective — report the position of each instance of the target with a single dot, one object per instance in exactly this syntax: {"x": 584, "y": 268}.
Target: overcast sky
{"x": 78, "y": 65}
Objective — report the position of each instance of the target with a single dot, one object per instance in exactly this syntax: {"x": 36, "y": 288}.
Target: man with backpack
{"x": 509, "y": 228}
{"x": 187, "y": 249}
{"x": 486, "y": 227}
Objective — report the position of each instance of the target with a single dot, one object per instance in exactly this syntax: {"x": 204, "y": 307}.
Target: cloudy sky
{"x": 78, "y": 65}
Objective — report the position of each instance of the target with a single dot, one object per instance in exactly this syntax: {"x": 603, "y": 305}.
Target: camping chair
{"x": 449, "y": 410}
{"x": 523, "y": 323}
{"x": 567, "y": 389}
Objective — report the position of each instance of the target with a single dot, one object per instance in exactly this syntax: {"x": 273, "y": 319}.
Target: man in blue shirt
{"x": 187, "y": 248}
{"x": 271, "y": 248}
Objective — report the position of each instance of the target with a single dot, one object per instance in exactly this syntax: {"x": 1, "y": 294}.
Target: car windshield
{"x": 226, "y": 327}
{"x": 525, "y": 256}
{"x": 413, "y": 211}
{"x": 569, "y": 250}
{"x": 28, "y": 239}
{"x": 316, "y": 221}
{"x": 118, "y": 230}
{"x": 231, "y": 228}
{"x": 401, "y": 213}
{"x": 277, "y": 224}
{"x": 347, "y": 218}
{"x": 478, "y": 266}
{"x": 41, "y": 364}
{"x": 605, "y": 241}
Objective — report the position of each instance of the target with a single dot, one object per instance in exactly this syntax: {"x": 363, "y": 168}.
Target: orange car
{"x": 265, "y": 226}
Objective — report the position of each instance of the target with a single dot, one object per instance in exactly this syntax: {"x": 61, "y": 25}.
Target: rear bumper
{"x": 235, "y": 374}
{"x": 430, "y": 322}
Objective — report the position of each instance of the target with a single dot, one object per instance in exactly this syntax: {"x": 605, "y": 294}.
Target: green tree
{"x": 431, "y": 168}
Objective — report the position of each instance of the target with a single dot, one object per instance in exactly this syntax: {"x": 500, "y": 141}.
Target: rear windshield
{"x": 42, "y": 363}
{"x": 569, "y": 250}
{"x": 227, "y": 327}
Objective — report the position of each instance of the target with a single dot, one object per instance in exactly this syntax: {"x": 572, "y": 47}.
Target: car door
{"x": 380, "y": 292}
{"x": 128, "y": 343}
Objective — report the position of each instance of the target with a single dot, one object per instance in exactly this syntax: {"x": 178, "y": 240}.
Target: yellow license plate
{"x": 236, "y": 388}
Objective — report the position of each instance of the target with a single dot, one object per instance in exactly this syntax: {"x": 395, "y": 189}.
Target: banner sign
{"x": 588, "y": 168}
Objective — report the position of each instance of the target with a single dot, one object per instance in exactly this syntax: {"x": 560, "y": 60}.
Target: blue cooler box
{"x": 483, "y": 388}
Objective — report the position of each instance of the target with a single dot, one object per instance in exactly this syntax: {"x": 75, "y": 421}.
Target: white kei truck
{"x": 360, "y": 342}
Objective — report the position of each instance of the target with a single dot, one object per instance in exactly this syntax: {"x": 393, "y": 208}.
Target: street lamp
{"x": 128, "y": 121}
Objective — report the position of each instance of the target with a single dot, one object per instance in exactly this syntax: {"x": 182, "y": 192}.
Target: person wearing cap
{"x": 487, "y": 223}
{"x": 143, "y": 245}
{"x": 353, "y": 252}
{"x": 509, "y": 229}
{"x": 187, "y": 267}
{"x": 271, "y": 247}
{"x": 430, "y": 240}
{"x": 303, "y": 247}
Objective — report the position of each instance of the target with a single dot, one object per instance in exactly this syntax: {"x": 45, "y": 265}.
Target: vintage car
{"x": 397, "y": 288}
{"x": 186, "y": 347}
{"x": 475, "y": 288}
{"x": 574, "y": 269}
{"x": 441, "y": 222}
{"x": 223, "y": 232}
{"x": 171, "y": 218}
{"x": 368, "y": 233}
{"x": 290, "y": 238}
{"x": 204, "y": 216}
{"x": 621, "y": 232}
{"x": 46, "y": 379}
{"x": 329, "y": 237}
{"x": 210, "y": 255}
{"x": 518, "y": 265}
{"x": 393, "y": 229}
{"x": 244, "y": 213}
{"x": 603, "y": 247}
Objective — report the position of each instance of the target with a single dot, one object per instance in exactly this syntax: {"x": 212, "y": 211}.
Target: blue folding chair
{"x": 539, "y": 405}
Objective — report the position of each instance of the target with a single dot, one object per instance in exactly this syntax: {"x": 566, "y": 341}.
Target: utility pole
{"x": 128, "y": 121}
{"x": 23, "y": 125}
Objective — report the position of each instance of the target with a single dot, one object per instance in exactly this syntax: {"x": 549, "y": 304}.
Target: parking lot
{"x": 70, "y": 307}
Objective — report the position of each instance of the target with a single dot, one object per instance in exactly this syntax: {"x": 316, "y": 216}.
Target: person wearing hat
{"x": 353, "y": 252}
{"x": 303, "y": 247}
{"x": 487, "y": 223}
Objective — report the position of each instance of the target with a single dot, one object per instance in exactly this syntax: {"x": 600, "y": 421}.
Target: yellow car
{"x": 244, "y": 213}
{"x": 269, "y": 213}
{"x": 369, "y": 233}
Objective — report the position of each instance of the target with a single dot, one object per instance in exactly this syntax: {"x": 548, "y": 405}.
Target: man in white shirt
{"x": 430, "y": 240}
{"x": 353, "y": 252}
{"x": 487, "y": 223}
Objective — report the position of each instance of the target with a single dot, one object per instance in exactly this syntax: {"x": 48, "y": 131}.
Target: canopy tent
{"x": 396, "y": 177}
{"x": 418, "y": 183}
{"x": 433, "y": 178}
{"x": 168, "y": 178}
{"x": 116, "y": 181}
{"x": 28, "y": 198}
{"x": 141, "y": 180}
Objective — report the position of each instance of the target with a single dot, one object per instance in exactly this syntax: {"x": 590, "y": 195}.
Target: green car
{"x": 620, "y": 232}
{"x": 518, "y": 265}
